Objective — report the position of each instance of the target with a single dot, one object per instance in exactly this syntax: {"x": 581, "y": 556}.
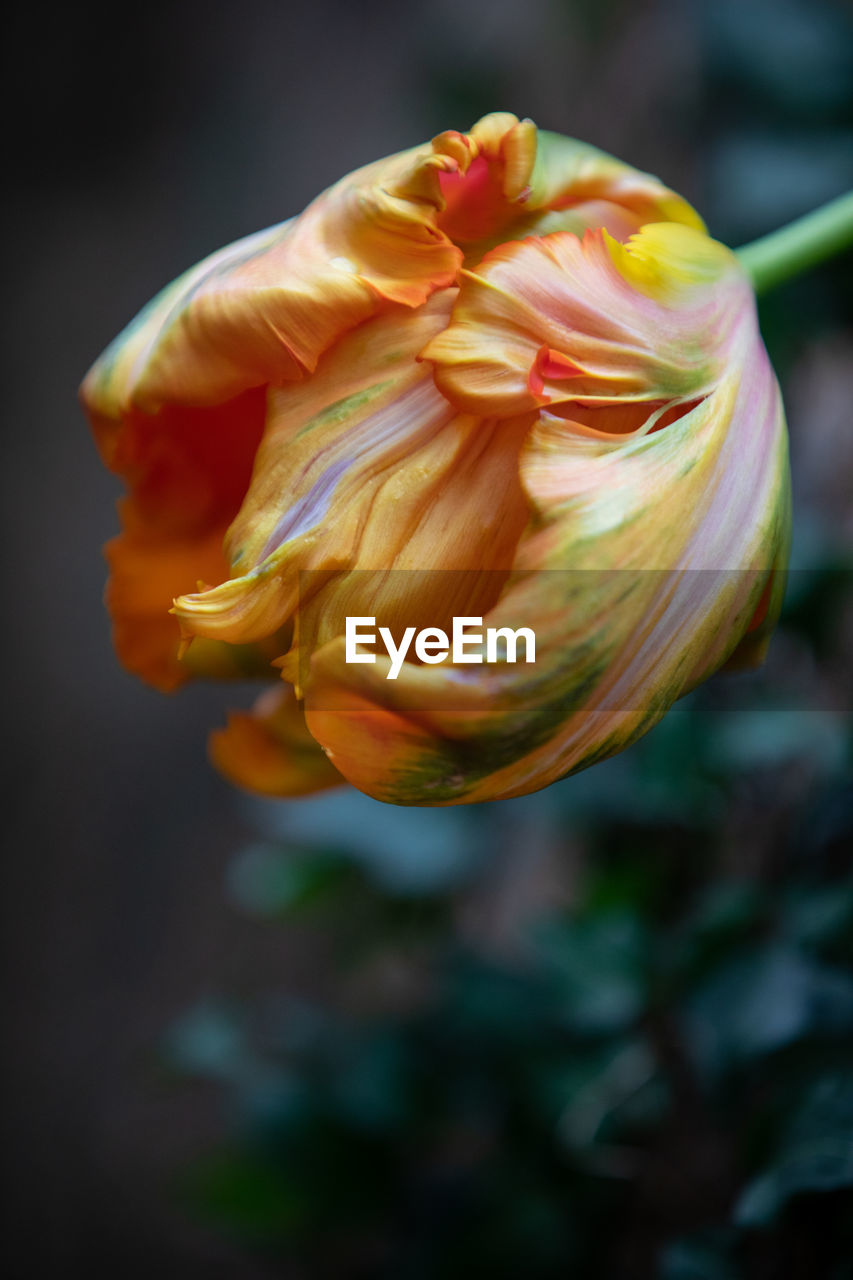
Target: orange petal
{"x": 178, "y": 401}
{"x": 601, "y": 409}
{"x": 264, "y": 309}
{"x": 514, "y": 181}
{"x": 491, "y": 185}
{"x": 367, "y": 467}
{"x": 645, "y": 560}
{"x": 187, "y": 471}
{"x": 270, "y": 750}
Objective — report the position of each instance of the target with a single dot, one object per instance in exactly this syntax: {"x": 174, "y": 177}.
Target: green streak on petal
{"x": 446, "y": 774}
{"x": 336, "y": 413}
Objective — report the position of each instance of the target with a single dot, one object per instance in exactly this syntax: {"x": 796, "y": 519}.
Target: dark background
{"x": 139, "y": 140}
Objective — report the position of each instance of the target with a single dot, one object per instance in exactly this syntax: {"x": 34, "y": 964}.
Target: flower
{"x": 503, "y": 376}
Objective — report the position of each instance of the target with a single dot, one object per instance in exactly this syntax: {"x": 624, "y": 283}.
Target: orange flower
{"x": 501, "y": 376}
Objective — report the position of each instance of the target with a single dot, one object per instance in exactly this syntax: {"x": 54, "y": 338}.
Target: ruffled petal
{"x": 591, "y": 443}
{"x": 367, "y": 470}
{"x": 265, "y": 309}
{"x": 178, "y": 403}
{"x": 514, "y": 181}
{"x": 572, "y": 176}
{"x": 556, "y": 319}
{"x": 187, "y": 471}
{"x": 645, "y": 563}
{"x": 269, "y": 750}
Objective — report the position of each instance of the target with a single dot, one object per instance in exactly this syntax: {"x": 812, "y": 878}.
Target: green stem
{"x": 799, "y": 246}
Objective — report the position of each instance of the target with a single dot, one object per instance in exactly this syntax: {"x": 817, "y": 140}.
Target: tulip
{"x": 502, "y": 376}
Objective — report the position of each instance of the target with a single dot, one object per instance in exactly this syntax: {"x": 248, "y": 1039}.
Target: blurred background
{"x": 603, "y": 1031}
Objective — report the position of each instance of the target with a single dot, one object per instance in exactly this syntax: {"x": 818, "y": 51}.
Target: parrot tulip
{"x": 502, "y": 376}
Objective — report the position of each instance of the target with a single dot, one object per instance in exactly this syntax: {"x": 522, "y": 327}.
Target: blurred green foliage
{"x": 648, "y": 1072}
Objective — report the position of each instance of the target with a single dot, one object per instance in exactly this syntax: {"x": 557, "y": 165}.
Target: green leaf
{"x": 762, "y": 1000}
{"x": 816, "y": 1154}
{"x": 598, "y": 970}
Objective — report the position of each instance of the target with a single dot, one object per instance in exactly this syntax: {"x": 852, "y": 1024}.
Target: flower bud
{"x": 501, "y": 377}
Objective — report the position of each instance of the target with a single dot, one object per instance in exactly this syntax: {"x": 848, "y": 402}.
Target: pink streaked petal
{"x": 554, "y": 318}
{"x": 646, "y": 562}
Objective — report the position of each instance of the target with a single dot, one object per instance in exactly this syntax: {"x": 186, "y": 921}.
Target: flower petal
{"x": 264, "y": 309}
{"x": 187, "y": 471}
{"x": 643, "y": 566}
{"x": 555, "y": 319}
{"x": 269, "y": 750}
{"x": 177, "y": 400}
{"x": 514, "y": 181}
{"x": 367, "y": 468}
{"x": 592, "y": 444}
{"x": 574, "y": 176}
